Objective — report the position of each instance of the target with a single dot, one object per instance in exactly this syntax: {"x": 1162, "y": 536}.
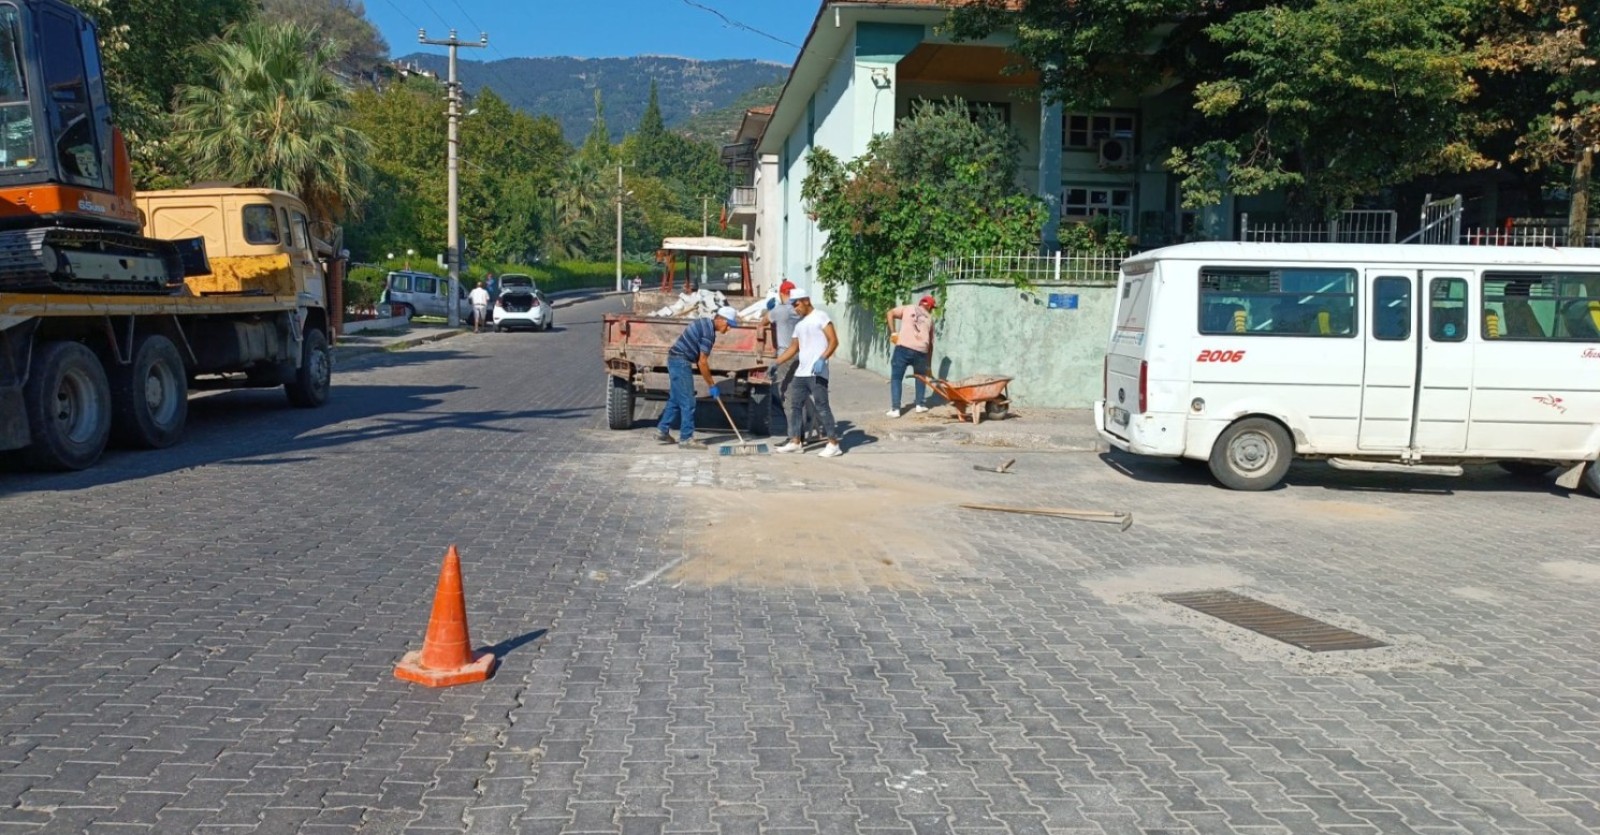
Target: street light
{"x": 409, "y": 253}
{"x": 621, "y": 195}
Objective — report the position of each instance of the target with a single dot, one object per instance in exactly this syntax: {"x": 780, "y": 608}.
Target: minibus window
{"x": 1391, "y": 308}
{"x": 1548, "y": 307}
{"x": 1281, "y": 301}
{"x": 1447, "y": 309}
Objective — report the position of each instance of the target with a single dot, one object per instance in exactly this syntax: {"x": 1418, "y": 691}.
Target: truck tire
{"x": 150, "y": 396}
{"x": 1591, "y": 478}
{"x": 313, "y": 380}
{"x": 619, "y": 403}
{"x": 68, "y": 402}
{"x": 1252, "y": 454}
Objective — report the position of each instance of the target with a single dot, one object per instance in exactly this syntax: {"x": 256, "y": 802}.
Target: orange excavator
{"x": 68, "y": 222}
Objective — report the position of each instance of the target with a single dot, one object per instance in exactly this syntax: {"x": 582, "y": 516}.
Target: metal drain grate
{"x": 1269, "y": 620}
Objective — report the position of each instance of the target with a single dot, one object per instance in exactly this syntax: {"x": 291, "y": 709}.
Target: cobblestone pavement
{"x": 202, "y": 639}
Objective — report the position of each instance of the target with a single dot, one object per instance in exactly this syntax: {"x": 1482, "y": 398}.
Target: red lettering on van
{"x": 1591, "y": 354}
{"x": 1220, "y": 356}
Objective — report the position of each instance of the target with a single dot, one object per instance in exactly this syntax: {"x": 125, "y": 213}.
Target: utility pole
{"x": 453, "y": 242}
{"x": 705, "y": 217}
{"x": 619, "y": 228}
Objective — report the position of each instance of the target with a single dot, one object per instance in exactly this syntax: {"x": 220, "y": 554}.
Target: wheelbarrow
{"x": 974, "y": 398}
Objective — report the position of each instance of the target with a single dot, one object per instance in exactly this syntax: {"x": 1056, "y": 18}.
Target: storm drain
{"x": 1269, "y": 620}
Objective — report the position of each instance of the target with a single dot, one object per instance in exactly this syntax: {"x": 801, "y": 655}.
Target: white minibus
{"x": 1388, "y": 358}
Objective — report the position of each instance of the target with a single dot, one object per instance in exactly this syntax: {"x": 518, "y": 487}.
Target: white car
{"x": 519, "y": 308}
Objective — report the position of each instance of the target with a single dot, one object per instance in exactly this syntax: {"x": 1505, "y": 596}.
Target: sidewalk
{"x": 861, "y": 397}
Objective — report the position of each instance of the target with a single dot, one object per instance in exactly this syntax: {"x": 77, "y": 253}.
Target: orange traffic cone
{"x": 447, "y": 657}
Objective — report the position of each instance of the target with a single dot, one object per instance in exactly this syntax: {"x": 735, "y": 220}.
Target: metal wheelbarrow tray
{"x": 974, "y": 398}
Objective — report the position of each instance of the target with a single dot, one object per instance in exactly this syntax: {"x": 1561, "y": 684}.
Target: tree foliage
{"x": 271, "y": 114}
{"x": 145, "y": 46}
{"x": 359, "y": 49}
{"x": 941, "y": 184}
{"x": 1332, "y": 99}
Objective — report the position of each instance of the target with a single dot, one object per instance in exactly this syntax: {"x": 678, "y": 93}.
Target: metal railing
{"x": 1091, "y": 268}
{"x": 1441, "y": 221}
{"x": 1356, "y": 226}
{"x": 1524, "y": 236}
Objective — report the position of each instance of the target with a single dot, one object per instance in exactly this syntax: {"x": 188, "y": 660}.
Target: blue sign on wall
{"x": 1063, "y": 301}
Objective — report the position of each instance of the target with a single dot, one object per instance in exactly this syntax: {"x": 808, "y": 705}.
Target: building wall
{"x": 1056, "y": 356}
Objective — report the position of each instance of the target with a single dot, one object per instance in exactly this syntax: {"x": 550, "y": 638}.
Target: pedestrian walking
{"x": 691, "y": 352}
{"x": 913, "y": 348}
{"x": 812, "y": 346}
{"x": 480, "y": 306}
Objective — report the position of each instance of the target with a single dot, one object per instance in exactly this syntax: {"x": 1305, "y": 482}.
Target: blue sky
{"x": 600, "y": 28}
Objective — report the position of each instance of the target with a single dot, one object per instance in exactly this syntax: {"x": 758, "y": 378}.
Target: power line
{"x": 442, "y": 18}
{"x": 464, "y": 13}
{"x": 737, "y": 24}
{"x": 402, "y": 13}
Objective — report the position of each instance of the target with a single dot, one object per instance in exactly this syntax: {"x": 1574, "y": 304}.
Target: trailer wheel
{"x": 756, "y": 421}
{"x": 619, "y": 403}
{"x": 150, "y": 396}
{"x": 313, "y": 380}
{"x": 68, "y": 402}
{"x": 1252, "y": 454}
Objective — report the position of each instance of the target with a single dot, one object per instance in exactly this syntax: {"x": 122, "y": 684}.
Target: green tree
{"x": 691, "y": 171}
{"x": 271, "y": 114}
{"x": 145, "y": 56}
{"x": 572, "y": 222}
{"x": 1332, "y": 99}
{"x": 361, "y": 50}
{"x": 1554, "y": 47}
{"x": 406, "y": 128}
{"x": 509, "y": 159}
{"x": 942, "y": 184}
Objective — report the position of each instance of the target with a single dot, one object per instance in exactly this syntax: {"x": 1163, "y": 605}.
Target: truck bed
{"x": 635, "y": 347}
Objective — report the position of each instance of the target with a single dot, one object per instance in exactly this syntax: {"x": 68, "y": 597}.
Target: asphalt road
{"x": 203, "y": 639}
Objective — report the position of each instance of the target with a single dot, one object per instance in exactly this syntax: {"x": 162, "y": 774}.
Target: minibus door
{"x": 1444, "y": 381}
{"x": 1393, "y": 346}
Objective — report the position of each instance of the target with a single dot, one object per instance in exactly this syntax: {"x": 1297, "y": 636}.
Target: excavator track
{"x": 67, "y": 260}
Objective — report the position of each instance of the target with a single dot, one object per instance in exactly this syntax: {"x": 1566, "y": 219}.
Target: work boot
{"x": 691, "y": 443}
{"x": 664, "y": 438}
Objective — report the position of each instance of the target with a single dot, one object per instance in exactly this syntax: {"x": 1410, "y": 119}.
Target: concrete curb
{"x": 345, "y": 353}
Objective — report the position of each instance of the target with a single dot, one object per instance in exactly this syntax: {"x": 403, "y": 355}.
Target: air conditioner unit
{"x": 1116, "y": 153}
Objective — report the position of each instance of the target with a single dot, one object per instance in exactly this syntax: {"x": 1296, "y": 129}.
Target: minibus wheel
{"x": 1252, "y": 454}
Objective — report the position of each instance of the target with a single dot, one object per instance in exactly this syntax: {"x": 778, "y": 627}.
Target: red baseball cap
{"x": 928, "y": 302}
{"x": 786, "y": 286}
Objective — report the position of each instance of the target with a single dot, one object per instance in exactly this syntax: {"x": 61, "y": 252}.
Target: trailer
{"x": 79, "y": 370}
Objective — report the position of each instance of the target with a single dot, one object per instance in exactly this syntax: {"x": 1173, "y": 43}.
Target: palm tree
{"x": 272, "y": 115}
{"x": 572, "y": 211}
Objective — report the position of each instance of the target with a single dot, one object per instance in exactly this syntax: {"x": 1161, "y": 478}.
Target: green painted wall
{"x": 1055, "y": 356}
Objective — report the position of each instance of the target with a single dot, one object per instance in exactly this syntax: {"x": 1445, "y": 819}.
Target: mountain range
{"x": 703, "y": 98}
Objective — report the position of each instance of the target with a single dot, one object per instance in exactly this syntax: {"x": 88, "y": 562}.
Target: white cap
{"x": 797, "y": 294}
{"x": 728, "y": 313}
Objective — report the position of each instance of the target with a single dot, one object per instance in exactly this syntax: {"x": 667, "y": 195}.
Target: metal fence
{"x": 1356, "y": 226}
{"x": 1091, "y": 268}
{"x": 1524, "y": 236}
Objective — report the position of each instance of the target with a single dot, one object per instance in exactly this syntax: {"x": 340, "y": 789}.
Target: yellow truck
{"x": 78, "y": 370}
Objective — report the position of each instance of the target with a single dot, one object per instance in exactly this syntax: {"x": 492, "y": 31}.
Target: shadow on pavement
{"x": 1316, "y": 474}
{"x": 258, "y": 428}
{"x": 504, "y": 648}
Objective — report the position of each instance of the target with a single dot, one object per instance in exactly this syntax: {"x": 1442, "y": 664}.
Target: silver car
{"x": 424, "y": 294}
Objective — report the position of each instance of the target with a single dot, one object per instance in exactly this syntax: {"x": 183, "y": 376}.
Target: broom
{"x": 743, "y": 447}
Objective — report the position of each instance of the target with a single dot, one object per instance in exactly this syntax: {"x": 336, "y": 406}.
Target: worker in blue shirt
{"x": 693, "y": 349}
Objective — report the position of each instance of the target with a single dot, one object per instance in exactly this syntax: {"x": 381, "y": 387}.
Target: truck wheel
{"x": 1591, "y": 478}
{"x": 1252, "y": 454}
{"x": 619, "y": 403}
{"x": 68, "y": 403}
{"x": 150, "y": 396}
{"x": 314, "y": 378}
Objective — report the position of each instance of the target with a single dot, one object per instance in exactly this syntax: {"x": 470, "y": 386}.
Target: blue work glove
{"x": 819, "y": 368}
{"x": 771, "y": 303}
{"x": 715, "y": 395}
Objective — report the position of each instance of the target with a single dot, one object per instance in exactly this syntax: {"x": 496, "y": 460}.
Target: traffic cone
{"x": 447, "y": 658}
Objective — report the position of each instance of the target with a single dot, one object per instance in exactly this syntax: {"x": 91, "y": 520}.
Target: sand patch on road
{"x": 1572, "y": 571}
{"x": 881, "y": 532}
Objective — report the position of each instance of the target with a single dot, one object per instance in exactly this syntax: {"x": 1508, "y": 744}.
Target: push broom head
{"x": 743, "y": 448}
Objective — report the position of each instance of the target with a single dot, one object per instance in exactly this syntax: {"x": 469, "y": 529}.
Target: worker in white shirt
{"x": 813, "y": 344}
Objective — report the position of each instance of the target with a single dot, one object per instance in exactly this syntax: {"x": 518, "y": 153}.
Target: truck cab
{"x": 259, "y": 241}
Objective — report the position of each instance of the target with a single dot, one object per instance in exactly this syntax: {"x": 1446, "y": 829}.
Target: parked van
{"x": 423, "y": 294}
{"x": 1392, "y": 358}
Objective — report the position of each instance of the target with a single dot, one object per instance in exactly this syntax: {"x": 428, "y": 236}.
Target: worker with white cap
{"x": 814, "y": 343}
{"x": 691, "y": 351}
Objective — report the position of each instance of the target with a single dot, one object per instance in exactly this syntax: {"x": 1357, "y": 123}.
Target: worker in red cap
{"x": 913, "y": 348}
{"x": 783, "y": 318}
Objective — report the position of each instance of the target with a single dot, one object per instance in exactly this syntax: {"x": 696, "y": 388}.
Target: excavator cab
{"x": 67, "y": 216}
